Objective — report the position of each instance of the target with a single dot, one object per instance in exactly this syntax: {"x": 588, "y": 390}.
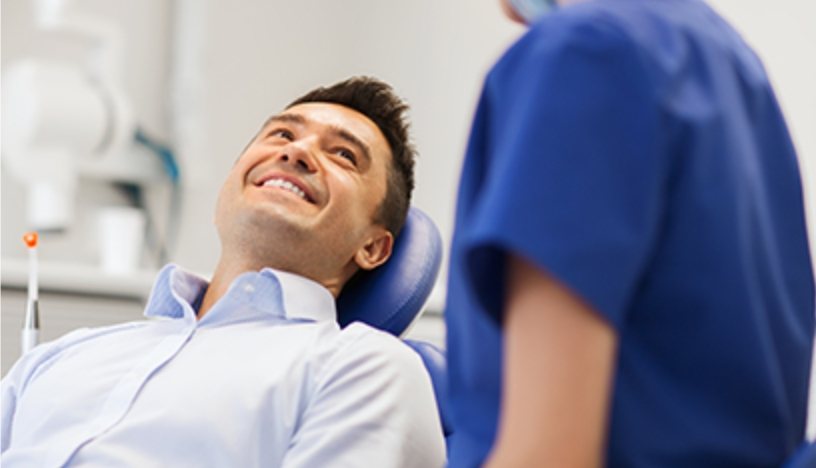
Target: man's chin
{"x": 287, "y": 210}
{"x": 280, "y": 224}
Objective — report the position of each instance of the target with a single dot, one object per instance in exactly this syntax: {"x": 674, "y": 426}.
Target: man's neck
{"x": 226, "y": 272}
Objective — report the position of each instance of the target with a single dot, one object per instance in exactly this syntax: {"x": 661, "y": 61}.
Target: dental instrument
{"x": 31, "y": 327}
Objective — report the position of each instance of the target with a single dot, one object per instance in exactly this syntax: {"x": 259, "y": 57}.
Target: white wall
{"x": 205, "y": 73}
{"x": 146, "y": 29}
{"x": 238, "y": 62}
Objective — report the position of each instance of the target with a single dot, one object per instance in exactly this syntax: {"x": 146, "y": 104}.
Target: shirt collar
{"x": 270, "y": 290}
{"x": 303, "y": 298}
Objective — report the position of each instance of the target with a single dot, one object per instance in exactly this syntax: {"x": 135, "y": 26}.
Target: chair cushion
{"x": 390, "y": 297}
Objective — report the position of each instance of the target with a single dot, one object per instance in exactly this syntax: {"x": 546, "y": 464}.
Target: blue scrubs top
{"x": 634, "y": 149}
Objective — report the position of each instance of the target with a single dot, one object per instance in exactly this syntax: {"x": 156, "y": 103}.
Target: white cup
{"x": 121, "y": 238}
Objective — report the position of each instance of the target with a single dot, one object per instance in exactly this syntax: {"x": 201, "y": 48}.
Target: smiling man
{"x": 251, "y": 369}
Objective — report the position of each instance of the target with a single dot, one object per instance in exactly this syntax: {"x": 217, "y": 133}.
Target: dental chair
{"x": 391, "y": 297}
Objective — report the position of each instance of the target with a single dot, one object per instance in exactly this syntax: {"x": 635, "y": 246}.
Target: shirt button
{"x": 249, "y": 288}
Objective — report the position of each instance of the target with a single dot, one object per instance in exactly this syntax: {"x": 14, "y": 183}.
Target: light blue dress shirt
{"x": 265, "y": 378}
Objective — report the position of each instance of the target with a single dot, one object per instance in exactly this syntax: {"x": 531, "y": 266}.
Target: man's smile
{"x": 290, "y": 184}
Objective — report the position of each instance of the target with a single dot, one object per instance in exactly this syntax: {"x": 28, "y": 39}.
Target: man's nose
{"x": 299, "y": 157}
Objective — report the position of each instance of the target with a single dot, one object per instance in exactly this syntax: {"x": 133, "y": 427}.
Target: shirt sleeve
{"x": 573, "y": 173}
{"x": 8, "y": 404}
{"x": 373, "y": 406}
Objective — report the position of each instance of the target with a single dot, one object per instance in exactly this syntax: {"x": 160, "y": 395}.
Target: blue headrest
{"x": 391, "y": 296}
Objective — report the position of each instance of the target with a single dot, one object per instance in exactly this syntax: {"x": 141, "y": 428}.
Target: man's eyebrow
{"x": 285, "y": 118}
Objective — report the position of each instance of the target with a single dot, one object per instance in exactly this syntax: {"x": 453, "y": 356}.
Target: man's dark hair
{"x": 377, "y": 101}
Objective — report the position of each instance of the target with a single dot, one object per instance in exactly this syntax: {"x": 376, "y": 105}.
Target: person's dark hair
{"x": 377, "y": 101}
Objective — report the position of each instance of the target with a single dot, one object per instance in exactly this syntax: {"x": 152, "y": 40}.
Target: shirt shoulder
{"x": 363, "y": 341}
{"x": 372, "y": 354}
{"x": 372, "y": 387}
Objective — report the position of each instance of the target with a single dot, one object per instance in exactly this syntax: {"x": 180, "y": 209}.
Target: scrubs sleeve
{"x": 573, "y": 177}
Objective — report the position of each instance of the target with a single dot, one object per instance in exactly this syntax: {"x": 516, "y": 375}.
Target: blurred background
{"x": 196, "y": 78}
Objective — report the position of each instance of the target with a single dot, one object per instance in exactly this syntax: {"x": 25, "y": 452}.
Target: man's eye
{"x": 282, "y": 133}
{"x": 347, "y": 154}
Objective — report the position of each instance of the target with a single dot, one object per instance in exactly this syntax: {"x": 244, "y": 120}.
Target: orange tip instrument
{"x": 31, "y": 239}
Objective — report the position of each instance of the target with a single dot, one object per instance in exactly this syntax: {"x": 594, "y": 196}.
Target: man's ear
{"x": 376, "y": 250}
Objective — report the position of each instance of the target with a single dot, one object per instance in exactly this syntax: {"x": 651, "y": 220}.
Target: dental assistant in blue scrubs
{"x": 630, "y": 282}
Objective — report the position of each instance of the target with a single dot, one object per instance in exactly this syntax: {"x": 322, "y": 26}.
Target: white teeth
{"x": 285, "y": 184}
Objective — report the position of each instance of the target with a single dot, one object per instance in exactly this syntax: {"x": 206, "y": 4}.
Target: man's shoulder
{"x": 362, "y": 333}
{"x": 361, "y": 342}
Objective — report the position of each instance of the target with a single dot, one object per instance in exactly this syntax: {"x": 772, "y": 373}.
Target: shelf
{"x": 78, "y": 279}
{"x": 87, "y": 279}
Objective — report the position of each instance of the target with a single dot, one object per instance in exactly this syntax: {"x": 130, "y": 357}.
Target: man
{"x": 630, "y": 283}
{"x": 252, "y": 368}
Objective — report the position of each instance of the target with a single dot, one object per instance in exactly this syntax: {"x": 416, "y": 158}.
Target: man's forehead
{"x": 329, "y": 115}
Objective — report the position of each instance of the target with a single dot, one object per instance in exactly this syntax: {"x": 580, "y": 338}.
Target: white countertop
{"x": 78, "y": 279}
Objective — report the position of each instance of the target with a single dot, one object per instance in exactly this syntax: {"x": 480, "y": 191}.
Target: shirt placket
{"x": 124, "y": 393}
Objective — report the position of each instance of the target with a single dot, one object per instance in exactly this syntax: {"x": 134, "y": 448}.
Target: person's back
{"x": 724, "y": 321}
{"x": 697, "y": 255}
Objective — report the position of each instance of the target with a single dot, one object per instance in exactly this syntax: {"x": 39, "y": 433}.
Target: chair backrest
{"x": 391, "y": 297}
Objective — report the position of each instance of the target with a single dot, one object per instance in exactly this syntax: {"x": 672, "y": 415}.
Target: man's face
{"x": 309, "y": 185}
